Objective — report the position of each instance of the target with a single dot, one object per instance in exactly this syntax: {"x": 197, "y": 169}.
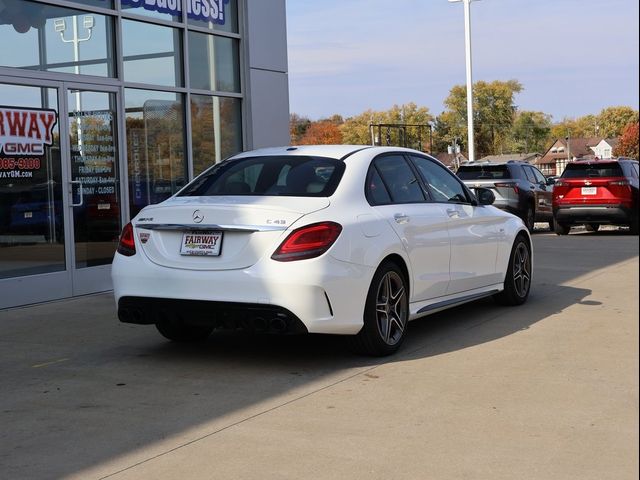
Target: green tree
{"x": 493, "y": 110}
{"x": 530, "y": 132}
{"x": 356, "y": 131}
{"x": 613, "y": 120}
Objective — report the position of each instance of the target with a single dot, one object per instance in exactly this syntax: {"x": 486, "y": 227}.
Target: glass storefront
{"x": 105, "y": 107}
{"x": 31, "y": 213}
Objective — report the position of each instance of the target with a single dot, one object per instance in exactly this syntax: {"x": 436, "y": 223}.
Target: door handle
{"x": 401, "y": 218}
{"x": 81, "y": 195}
{"x": 453, "y": 213}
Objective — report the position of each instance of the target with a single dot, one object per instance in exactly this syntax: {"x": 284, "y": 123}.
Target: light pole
{"x": 467, "y": 43}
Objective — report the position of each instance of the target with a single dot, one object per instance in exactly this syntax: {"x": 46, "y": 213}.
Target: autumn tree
{"x": 628, "y": 144}
{"x": 323, "y": 132}
{"x": 612, "y": 121}
{"x": 356, "y": 130}
{"x": 298, "y": 125}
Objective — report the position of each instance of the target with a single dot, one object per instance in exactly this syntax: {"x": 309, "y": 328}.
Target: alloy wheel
{"x": 522, "y": 270}
{"x": 391, "y": 308}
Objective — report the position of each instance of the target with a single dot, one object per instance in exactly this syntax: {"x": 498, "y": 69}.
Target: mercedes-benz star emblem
{"x": 197, "y": 216}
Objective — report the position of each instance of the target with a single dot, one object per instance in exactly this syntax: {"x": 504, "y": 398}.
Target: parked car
{"x": 519, "y": 188}
{"x": 597, "y": 192}
{"x": 348, "y": 240}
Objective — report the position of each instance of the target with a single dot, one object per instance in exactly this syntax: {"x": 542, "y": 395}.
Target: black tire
{"x": 177, "y": 331}
{"x": 552, "y": 225}
{"x": 592, "y": 227}
{"x": 529, "y": 218}
{"x": 517, "y": 282}
{"x": 561, "y": 228}
{"x": 386, "y": 313}
{"x": 633, "y": 227}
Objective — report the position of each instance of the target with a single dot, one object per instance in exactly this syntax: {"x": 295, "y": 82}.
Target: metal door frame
{"x": 94, "y": 279}
{"x": 71, "y": 281}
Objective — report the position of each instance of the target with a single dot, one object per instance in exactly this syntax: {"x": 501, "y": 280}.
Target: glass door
{"x": 94, "y": 180}
{"x": 34, "y": 247}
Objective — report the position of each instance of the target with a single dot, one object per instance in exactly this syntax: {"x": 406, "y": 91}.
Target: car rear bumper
{"x": 323, "y": 295}
{"x": 601, "y": 214}
{"x": 222, "y": 315}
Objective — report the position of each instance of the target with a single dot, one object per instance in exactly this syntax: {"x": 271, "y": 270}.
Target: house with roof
{"x": 563, "y": 151}
{"x": 452, "y": 160}
{"x": 505, "y": 157}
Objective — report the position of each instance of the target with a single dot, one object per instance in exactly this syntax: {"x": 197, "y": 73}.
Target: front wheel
{"x": 517, "y": 282}
{"x": 529, "y": 218}
{"x": 561, "y": 228}
{"x": 386, "y": 313}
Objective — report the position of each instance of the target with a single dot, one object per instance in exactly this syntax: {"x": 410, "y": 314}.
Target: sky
{"x": 573, "y": 57}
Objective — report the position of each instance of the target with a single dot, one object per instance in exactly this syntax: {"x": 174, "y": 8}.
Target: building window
{"x": 156, "y": 159}
{"x": 55, "y": 39}
{"x": 152, "y": 54}
{"x": 213, "y": 14}
{"x": 213, "y": 63}
{"x": 165, "y": 9}
{"x": 217, "y": 130}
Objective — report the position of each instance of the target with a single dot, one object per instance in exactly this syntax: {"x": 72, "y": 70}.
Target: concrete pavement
{"x": 544, "y": 391}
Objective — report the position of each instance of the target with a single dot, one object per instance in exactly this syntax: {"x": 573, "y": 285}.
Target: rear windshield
{"x": 483, "y": 172}
{"x": 293, "y": 176}
{"x": 583, "y": 170}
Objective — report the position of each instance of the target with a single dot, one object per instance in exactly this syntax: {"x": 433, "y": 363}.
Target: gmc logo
{"x": 23, "y": 148}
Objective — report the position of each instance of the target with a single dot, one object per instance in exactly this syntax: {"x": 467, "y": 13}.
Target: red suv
{"x": 597, "y": 192}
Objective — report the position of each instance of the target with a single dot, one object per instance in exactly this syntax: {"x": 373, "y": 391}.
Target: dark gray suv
{"x": 519, "y": 188}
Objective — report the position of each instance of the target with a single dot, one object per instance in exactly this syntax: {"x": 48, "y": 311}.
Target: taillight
{"x": 620, "y": 183}
{"x": 308, "y": 242}
{"x": 127, "y": 245}
{"x": 560, "y": 183}
{"x": 509, "y": 185}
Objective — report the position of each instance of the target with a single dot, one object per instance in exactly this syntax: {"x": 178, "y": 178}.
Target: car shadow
{"x": 122, "y": 388}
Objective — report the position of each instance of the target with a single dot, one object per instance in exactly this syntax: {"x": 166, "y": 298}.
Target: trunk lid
{"x": 244, "y": 228}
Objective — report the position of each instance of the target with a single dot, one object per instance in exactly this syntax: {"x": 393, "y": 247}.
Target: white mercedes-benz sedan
{"x": 349, "y": 240}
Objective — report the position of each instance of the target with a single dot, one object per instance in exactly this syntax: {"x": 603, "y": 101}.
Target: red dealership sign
{"x": 26, "y": 131}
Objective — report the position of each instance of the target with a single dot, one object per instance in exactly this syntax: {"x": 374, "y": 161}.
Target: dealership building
{"x": 110, "y": 105}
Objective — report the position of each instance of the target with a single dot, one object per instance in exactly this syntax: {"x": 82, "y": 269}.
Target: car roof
{"x": 338, "y": 152}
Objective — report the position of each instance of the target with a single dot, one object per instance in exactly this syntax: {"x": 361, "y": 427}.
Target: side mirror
{"x": 551, "y": 181}
{"x": 485, "y": 196}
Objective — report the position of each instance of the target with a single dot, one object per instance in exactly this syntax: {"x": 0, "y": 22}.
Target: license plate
{"x": 589, "y": 190}
{"x": 28, "y": 214}
{"x": 104, "y": 206}
{"x": 205, "y": 244}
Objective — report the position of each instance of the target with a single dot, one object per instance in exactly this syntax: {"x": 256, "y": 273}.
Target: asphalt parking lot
{"x": 548, "y": 390}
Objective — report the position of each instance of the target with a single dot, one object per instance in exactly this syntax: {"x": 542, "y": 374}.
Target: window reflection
{"x": 56, "y": 39}
{"x": 217, "y": 130}
{"x": 213, "y": 63}
{"x": 31, "y": 222}
{"x": 152, "y": 54}
{"x": 94, "y": 171}
{"x": 167, "y": 10}
{"x": 155, "y": 146}
{"x": 224, "y": 17}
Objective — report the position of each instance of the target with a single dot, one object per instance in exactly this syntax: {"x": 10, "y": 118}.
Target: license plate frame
{"x": 589, "y": 191}
{"x": 201, "y": 243}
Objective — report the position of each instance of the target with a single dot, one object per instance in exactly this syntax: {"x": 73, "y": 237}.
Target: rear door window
{"x": 592, "y": 170}
{"x": 483, "y": 172}
{"x": 399, "y": 179}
